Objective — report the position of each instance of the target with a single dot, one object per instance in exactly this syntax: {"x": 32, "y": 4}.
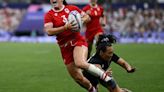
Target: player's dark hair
{"x": 104, "y": 41}
{"x": 64, "y": 2}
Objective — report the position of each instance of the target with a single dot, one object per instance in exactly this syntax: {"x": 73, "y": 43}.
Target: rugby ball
{"x": 76, "y": 17}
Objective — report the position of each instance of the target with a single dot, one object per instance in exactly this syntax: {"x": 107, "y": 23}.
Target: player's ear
{"x": 101, "y": 53}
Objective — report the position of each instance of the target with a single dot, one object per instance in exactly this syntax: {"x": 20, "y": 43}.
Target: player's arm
{"x": 125, "y": 65}
{"x": 50, "y": 30}
{"x": 48, "y": 27}
{"x": 103, "y": 20}
{"x": 85, "y": 17}
{"x": 86, "y": 13}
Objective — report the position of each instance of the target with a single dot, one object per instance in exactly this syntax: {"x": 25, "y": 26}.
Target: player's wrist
{"x": 131, "y": 70}
{"x": 65, "y": 27}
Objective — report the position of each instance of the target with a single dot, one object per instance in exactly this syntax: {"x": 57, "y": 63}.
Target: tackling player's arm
{"x": 125, "y": 65}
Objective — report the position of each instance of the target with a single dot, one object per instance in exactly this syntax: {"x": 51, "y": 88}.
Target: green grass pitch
{"x": 34, "y": 67}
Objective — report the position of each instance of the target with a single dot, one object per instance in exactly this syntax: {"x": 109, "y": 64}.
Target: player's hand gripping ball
{"x": 74, "y": 18}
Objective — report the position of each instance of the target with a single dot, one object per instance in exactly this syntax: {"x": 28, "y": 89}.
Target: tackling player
{"x": 94, "y": 27}
{"x": 103, "y": 58}
{"x": 72, "y": 45}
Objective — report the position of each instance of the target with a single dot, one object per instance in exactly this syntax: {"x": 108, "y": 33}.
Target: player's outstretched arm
{"x": 126, "y": 65}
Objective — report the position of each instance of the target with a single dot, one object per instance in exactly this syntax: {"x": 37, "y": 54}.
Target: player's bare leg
{"x": 97, "y": 36}
{"x": 126, "y": 90}
{"x": 90, "y": 44}
{"x": 116, "y": 89}
{"x": 112, "y": 86}
{"x": 89, "y": 49}
{"x": 76, "y": 74}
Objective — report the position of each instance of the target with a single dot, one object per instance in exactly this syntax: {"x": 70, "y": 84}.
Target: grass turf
{"x": 28, "y": 67}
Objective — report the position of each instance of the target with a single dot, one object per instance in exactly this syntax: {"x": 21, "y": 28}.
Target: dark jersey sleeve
{"x": 95, "y": 60}
{"x": 115, "y": 58}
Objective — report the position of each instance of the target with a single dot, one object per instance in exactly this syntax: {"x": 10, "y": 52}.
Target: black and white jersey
{"x": 96, "y": 59}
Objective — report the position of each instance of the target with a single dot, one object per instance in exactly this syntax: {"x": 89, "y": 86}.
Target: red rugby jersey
{"x": 60, "y": 18}
{"x": 95, "y": 14}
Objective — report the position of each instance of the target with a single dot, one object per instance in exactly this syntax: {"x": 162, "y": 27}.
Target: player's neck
{"x": 58, "y": 9}
{"x": 94, "y": 5}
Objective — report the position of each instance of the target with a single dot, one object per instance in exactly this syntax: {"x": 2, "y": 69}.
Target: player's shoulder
{"x": 48, "y": 13}
{"x": 115, "y": 57}
{"x": 95, "y": 59}
{"x": 86, "y": 7}
{"x": 70, "y": 6}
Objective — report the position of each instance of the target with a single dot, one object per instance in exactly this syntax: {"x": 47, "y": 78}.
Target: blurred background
{"x": 31, "y": 62}
{"x": 131, "y": 21}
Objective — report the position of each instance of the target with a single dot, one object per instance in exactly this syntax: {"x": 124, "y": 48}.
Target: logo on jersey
{"x": 66, "y": 10}
{"x": 56, "y": 14}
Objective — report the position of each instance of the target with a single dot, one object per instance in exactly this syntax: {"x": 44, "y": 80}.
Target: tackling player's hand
{"x": 131, "y": 70}
{"x": 109, "y": 72}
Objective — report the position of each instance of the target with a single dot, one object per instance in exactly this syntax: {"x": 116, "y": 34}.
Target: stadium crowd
{"x": 10, "y": 19}
{"x": 140, "y": 25}
{"x": 128, "y": 25}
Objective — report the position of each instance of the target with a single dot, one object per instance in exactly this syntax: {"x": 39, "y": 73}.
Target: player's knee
{"x": 81, "y": 64}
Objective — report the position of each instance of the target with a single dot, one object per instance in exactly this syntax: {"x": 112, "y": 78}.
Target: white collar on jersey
{"x": 59, "y": 10}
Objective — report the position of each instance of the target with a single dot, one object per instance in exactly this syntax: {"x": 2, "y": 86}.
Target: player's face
{"x": 93, "y": 1}
{"x": 107, "y": 55}
{"x": 56, "y": 3}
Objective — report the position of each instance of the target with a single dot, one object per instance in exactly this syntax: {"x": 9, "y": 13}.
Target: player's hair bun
{"x": 106, "y": 39}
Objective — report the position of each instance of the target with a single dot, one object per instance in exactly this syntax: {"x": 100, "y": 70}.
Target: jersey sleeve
{"x": 85, "y": 8}
{"x": 47, "y": 18}
{"x": 94, "y": 61}
{"x": 115, "y": 58}
{"x": 76, "y": 8}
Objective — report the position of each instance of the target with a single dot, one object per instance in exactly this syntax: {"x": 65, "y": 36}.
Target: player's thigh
{"x": 80, "y": 56}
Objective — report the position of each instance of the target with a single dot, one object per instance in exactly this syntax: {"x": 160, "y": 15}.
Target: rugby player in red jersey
{"x": 94, "y": 27}
{"x": 72, "y": 45}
